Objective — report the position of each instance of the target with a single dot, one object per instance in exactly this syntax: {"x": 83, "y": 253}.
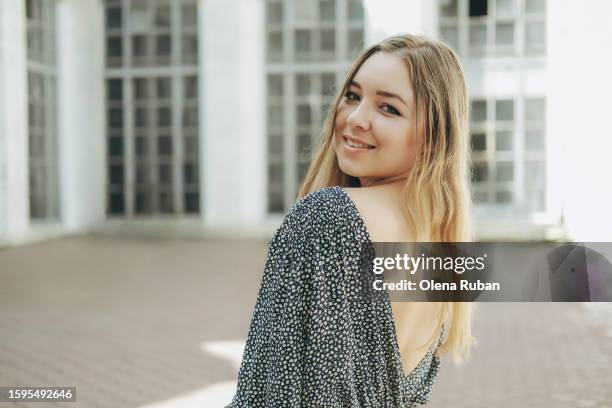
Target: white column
{"x": 578, "y": 110}
{"x": 81, "y": 127}
{"x": 232, "y": 112}
{"x": 253, "y": 135}
{"x": 14, "y": 199}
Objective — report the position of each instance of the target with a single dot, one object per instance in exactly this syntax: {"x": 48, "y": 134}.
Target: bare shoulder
{"x": 381, "y": 212}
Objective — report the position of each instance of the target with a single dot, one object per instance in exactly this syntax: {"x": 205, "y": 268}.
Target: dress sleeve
{"x": 289, "y": 358}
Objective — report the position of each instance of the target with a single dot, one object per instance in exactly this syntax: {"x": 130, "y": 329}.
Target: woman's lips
{"x": 356, "y": 145}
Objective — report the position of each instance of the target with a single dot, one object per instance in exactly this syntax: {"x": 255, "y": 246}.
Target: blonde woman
{"x": 392, "y": 166}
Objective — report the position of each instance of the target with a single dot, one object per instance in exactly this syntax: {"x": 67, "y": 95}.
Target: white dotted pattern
{"x": 313, "y": 341}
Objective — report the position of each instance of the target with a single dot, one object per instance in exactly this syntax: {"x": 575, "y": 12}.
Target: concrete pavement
{"x": 135, "y": 322}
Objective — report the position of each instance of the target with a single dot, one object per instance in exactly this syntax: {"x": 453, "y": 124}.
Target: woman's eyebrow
{"x": 381, "y": 93}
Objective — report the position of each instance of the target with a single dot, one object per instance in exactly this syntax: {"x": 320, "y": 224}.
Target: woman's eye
{"x": 390, "y": 109}
{"x": 351, "y": 96}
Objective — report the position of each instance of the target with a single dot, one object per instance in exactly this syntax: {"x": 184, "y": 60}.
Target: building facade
{"x": 199, "y": 117}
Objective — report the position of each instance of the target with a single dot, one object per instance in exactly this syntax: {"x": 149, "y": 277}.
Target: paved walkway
{"x": 161, "y": 323}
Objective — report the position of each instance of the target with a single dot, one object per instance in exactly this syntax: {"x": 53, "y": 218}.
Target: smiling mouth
{"x": 355, "y": 145}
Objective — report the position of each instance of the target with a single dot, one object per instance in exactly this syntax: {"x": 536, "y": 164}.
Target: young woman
{"x": 392, "y": 166}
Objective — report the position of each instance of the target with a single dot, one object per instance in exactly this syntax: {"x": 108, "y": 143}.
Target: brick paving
{"x": 134, "y": 322}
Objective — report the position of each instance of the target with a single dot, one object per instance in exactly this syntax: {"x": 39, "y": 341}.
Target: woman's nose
{"x": 359, "y": 118}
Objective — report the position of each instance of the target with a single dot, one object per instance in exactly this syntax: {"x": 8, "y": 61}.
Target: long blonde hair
{"x": 437, "y": 199}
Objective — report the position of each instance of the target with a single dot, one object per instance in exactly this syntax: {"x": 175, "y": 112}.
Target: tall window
{"x": 42, "y": 110}
{"x": 152, "y": 107}
{"x": 494, "y": 27}
{"x": 309, "y": 47}
{"x": 504, "y": 148}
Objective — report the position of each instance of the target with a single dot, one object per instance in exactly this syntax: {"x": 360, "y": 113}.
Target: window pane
{"x": 479, "y": 111}
{"x": 189, "y": 15}
{"x": 503, "y": 197}
{"x": 303, "y": 144}
{"x": 142, "y": 203}
{"x": 355, "y": 10}
{"x": 328, "y": 83}
{"x": 303, "y": 84}
{"x": 504, "y": 110}
{"x": 275, "y": 144}
{"x": 301, "y": 171}
{"x": 535, "y": 6}
{"x": 275, "y": 116}
{"x": 115, "y": 203}
{"x": 113, "y": 47}
{"x": 448, "y": 8}
{"x": 327, "y": 10}
{"x": 190, "y": 87}
{"x": 328, "y": 40}
{"x": 140, "y": 88}
{"x": 115, "y": 89}
{"x": 274, "y": 12}
{"x": 450, "y": 35}
{"x": 162, "y": 16}
{"x": 480, "y": 172}
{"x": 190, "y": 173}
{"x": 355, "y": 40}
{"x": 192, "y": 202}
{"x": 480, "y": 197}
{"x": 275, "y": 46}
{"x": 478, "y": 8}
{"x": 534, "y": 173}
{"x": 165, "y": 173}
{"x": 302, "y": 41}
{"x": 478, "y": 35}
{"x": 190, "y": 116}
{"x": 143, "y": 176}
{"x": 163, "y": 117}
{"x": 115, "y": 118}
{"x": 115, "y": 146}
{"x": 479, "y": 142}
{"x": 535, "y": 109}
{"x": 503, "y": 141}
{"x": 164, "y": 145}
{"x": 275, "y": 85}
{"x": 504, "y": 8}
{"x": 141, "y": 117}
{"x": 166, "y": 203}
{"x": 275, "y": 203}
{"x": 535, "y": 36}
{"x": 115, "y": 174}
{"x": 303, "y": 11}
{"x": 505, "y": 171}
{"x": 163, "y": 88}
{"x": 163, "y": 46}
{"x": 275, "y": 172}
{"x": 303, "y": 115}
{"x": 534, "y": 140}
{"x": 504, "y": 34}
{"x": 113, "y": 18}
{"x": 141, "y": 146}
{"x": 139, "y": 45}
{"x": 139, "y": 18}
{"x": 191, "y": 146}
{"x": 190, "y": 47}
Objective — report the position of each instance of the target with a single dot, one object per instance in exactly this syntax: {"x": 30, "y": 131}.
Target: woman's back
{"x": 415, "y": 322}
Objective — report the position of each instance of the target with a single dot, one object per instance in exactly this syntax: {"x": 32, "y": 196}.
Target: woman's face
{"x": 377, "y": 110}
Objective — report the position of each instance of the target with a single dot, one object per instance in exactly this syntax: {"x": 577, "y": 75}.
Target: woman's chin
{"x": 350, "y": 170}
